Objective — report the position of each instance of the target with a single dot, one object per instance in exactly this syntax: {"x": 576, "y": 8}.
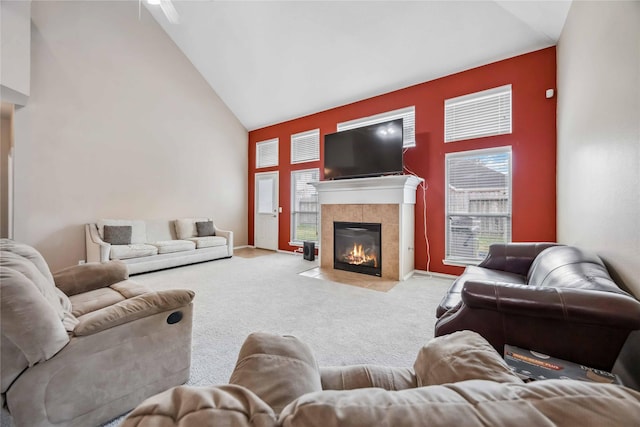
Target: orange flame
{"x": 357, "y": 256}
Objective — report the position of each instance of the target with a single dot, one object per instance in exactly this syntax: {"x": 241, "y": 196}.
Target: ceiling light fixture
{"x": 167, "y": 7}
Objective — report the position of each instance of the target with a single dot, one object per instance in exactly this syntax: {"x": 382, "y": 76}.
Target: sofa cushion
{"x": 28, "y": 320}
{"x": 169, "y": 246}
{"x": 29, "y": 253}
{"x": 187, "y": 406}
{"x": 94, "y": 300}
{"x": 571, "y": 267}
{"x": 132, "y": 251}
{"x": 560, "y": 403}
{"x": 205, "y": 228}
{"x": 362, "y": 376}
{"x": 117, "y": 234}
{"x": 129, "y": 288}
{"x": 186, "y": 227}
{"x": 277, "y": 368}
{"x": 58, "y": 300}
{"x": 209, "y": 241}
{"x": 138, "y": 228}
{"x": 460, "y": 356}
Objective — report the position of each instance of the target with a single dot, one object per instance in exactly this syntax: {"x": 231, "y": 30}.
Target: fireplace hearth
{"x": 357, "y": 247}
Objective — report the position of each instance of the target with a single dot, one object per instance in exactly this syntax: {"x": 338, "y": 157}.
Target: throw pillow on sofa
{"x": 205, "y": 228}
{"x": 186, "y": 227}
{"x": 117, "y": 234}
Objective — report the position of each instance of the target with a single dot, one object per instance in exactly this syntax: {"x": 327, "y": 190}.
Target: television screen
{"x": 366, "y": 151}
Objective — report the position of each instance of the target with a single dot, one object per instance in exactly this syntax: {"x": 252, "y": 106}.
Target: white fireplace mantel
{"x": 388, "y": 200}
{"x": 392, "y": 189}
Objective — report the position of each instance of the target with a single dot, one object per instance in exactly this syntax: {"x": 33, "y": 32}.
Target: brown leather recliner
{"x": 558, "y": 300}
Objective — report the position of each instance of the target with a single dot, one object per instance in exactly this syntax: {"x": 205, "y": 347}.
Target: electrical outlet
{"x": 81, "y": 262}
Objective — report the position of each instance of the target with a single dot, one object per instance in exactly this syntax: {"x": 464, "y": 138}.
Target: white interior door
{"x": 265, "y": 228}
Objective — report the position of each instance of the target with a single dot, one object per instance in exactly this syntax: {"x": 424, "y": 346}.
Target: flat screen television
{"x": 372, "y": 150}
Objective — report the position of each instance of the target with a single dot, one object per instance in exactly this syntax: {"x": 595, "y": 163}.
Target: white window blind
{"x": 478, "y": 114}
{"x": 305, "y": 146}
{"x": 478, "y": 205}
{"x": 267, "y": 153}
{"x": 408, "y": 116}
{"x": 305, "y": 215}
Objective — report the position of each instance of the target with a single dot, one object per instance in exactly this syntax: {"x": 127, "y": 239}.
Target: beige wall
{"x": 119, "y": 124}
{"x": 15, "y": 32}
{"x": 599, "y": 134}
{"x": 599, "y": 145}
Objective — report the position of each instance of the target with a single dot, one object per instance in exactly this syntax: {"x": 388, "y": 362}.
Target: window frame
{"x": 479, "y": 119}
{"x": 263, "y": 145}
{"x": 293, "y": 212}
{"x": 303, "y": 136}
{"x": 448, "y": 214}
{"x": 408, "y": 114}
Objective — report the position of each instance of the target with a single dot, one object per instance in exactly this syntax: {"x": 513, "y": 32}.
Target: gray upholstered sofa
{"x": 157, "y": 244}
{"x": 84, "y": 345}
{"x": 456, "y": 380}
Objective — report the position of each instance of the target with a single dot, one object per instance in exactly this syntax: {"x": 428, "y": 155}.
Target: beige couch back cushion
{"x": 160, "y": 230}
{"x": 59, "y": 301}
{"x": 188, "y": 406}
{"x": 29, "y": 320}
{"x": 30, "y": 254}
{"x": 186, "y": 227}
{"x": 463, "y": 355}
{"x": 471, "y": 403}
{"x": 276, "y": 368}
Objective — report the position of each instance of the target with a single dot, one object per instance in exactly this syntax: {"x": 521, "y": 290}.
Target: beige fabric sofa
{"x": 84, "y": 345}
{"x": 457, "y": 380}
{"x": 158, "y": 244}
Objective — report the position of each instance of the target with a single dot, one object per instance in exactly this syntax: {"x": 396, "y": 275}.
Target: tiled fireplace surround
{"x": 388, "y": 200}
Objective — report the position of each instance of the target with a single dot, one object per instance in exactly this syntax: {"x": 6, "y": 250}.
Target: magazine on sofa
{"x": 531, "y": 365}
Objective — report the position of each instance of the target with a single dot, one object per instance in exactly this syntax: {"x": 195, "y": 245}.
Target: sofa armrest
{"x": 229, "y": 236}
{"x": 97, "y": 249}
{"x": 513, "y": 257}
{"x": 132, "y": 309}
{"x": 566, "y": 304}
{"x": 78, "y": 279}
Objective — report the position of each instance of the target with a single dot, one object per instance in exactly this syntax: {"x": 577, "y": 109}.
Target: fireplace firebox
{"x": 357, "y": 247}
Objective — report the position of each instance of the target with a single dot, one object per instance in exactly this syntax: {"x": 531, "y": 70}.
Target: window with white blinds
{"x": 267, "y": 153}
{"x": 305, "y": 146}
{"x": 408, "y": 116}
{"x": 305, "y": 215}
{"x": 478, "y": 114}
{"x": 478, "y": 204}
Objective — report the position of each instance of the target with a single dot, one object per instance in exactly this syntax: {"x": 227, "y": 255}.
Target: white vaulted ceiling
{"x": 272, "y": 61}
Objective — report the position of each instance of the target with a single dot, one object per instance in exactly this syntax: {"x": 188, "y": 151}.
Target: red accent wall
{"x": 533, "y": 143}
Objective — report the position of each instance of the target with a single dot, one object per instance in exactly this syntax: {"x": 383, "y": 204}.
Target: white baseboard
{"x": 434, "y": 274}
{"x": 243, "y": 246}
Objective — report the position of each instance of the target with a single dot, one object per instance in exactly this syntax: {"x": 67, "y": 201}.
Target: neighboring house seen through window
{"x": 478, "y": 203}
{"x": 305, "y": 214}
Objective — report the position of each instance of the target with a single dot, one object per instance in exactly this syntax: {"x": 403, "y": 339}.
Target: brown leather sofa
{"x": 555, "y": 299}
{"x": 456, "y": 380}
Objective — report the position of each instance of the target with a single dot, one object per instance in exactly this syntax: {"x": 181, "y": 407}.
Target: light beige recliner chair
{"x": 84, "y": 345}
